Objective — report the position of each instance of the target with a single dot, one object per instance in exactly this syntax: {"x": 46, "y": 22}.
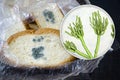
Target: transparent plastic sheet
{"x": 22, "y": 8}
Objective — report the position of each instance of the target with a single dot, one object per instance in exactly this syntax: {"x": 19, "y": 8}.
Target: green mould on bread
{"x": 39, "y": 39}
{"x": 49, "y": 16}
{"x": 37, "y": 52}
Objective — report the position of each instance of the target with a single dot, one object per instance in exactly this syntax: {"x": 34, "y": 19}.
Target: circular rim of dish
{"x": 81, "y": 6}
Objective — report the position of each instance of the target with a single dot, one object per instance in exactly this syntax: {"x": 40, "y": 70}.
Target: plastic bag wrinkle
{"x": 22, "y": 9}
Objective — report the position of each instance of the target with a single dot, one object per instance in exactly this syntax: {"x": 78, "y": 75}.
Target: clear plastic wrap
{"x": 21, "y": 9}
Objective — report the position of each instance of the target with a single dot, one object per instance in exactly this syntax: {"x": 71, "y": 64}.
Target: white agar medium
{"x": 85, "y": 12}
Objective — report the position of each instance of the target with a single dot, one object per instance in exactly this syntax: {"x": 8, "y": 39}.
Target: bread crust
{"x": 39, "y": 31}
{"x": 14, "y": 36}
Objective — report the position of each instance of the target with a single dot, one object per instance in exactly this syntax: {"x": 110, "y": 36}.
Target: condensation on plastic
{"x": 22, "y": 8}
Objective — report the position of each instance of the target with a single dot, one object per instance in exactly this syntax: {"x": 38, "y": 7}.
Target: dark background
{"x": 109, "y": 67}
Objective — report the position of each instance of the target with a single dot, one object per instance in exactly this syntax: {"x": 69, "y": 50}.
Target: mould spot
{"x": 38, "y": 52}
{"x": 49, "y": 16}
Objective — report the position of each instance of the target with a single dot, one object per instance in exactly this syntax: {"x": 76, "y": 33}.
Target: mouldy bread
{"x": 48, "y": 16}
{"x": 12, "y": 29}
{"x": 16, "y": 25}
{"x": 41, "y": 48}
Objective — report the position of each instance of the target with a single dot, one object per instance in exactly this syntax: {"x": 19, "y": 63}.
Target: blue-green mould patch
{"x": 37, "y": 52}
{"x": 49, "y": 16}
{"x": 34, "y": 40}
{"x": 39, "y": 39}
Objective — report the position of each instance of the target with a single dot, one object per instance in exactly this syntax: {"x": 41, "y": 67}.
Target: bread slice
{"x": 49, "y": 16}
{"x": 14, "y": 28}
{"x": 16, "y": 25}
{"x": 41, "y": 48}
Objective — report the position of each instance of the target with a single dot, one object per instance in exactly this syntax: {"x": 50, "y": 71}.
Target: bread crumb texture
{"x": 41, "y": 48}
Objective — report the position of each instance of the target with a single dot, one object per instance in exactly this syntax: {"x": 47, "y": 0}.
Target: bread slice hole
{"x": 30, "y": 23}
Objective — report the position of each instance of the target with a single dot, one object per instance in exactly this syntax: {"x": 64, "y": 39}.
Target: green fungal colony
{"x": 71, "y": 47}
{"x": 99, "y": 26}
{"x": 113, "y": 31}
{"x": 98, "y": 23}
{"x": 77, "y": 32}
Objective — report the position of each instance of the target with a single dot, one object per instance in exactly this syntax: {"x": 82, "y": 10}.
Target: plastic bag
{"x": 21, "y": 9}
